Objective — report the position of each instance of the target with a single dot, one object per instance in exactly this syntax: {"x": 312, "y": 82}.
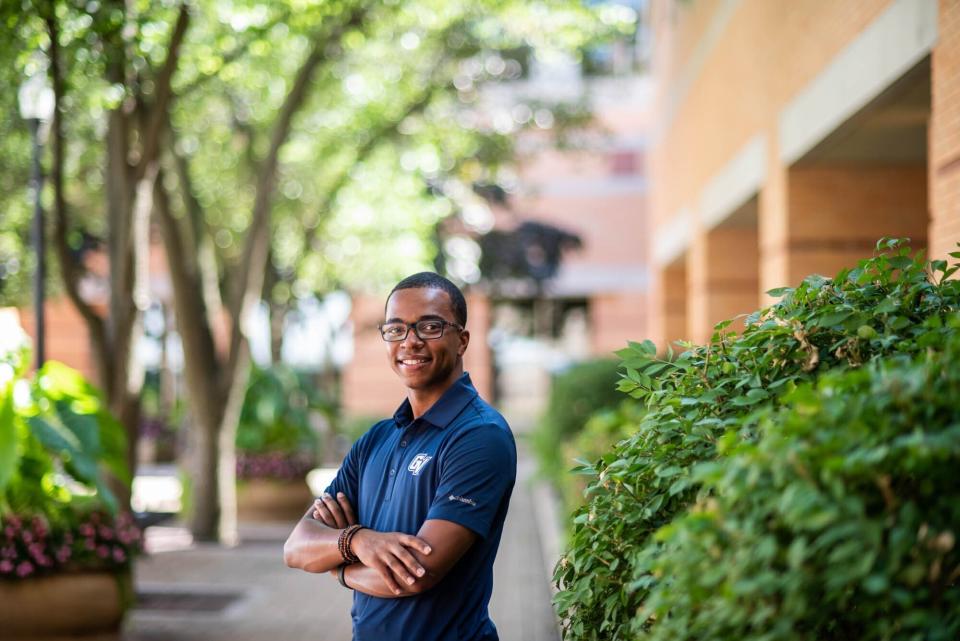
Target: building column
{"x": 479, "y": 360}
{"x": 722, "y": 278}
{"x": 834, "y": 215}
{"x": 943, "y": 141}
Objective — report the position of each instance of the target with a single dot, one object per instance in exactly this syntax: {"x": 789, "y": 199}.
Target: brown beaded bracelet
{"x": 344, "y": 541}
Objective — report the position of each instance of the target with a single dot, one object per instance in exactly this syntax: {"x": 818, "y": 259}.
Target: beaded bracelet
{"x": 344, "y": 541}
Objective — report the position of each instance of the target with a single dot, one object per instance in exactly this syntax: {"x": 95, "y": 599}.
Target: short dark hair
{"x": 431, "y": 280}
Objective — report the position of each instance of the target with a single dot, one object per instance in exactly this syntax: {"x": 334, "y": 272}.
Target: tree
{"x": 262, "y": 139}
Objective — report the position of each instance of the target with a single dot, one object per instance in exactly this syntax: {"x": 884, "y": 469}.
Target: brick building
{"x": 787, "y": 138}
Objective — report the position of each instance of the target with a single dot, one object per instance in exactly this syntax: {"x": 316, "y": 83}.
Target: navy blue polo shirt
{"x": 457, "y": 462}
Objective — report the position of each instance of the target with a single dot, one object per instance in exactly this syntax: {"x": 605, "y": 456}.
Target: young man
{"x": 420, "y": 500}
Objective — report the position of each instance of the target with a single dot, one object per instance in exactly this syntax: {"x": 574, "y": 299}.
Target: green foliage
{"x": 890, "y": 304}
{"x": 392, "y": 124}
{"x": 575, "y": 394}
{"x": 838, "y": 522}
{"x": 59, "y": 446}
{"x": 275, "y": 417}
{"x": 605, "y": 428}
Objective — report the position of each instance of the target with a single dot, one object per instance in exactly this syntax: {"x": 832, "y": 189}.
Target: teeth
{"x": 412, "y": 361}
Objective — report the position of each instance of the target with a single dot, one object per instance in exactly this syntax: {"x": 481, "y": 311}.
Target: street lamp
{"x": 37, "y": 103}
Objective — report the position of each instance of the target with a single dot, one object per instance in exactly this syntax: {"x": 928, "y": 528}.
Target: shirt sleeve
{"x": 477, "y": 474}
{"x": 347, "y": 479}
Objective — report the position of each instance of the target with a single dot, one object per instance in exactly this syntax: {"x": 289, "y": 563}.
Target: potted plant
{"x": 277, "y": 444}
{"x": 65, "y": 546}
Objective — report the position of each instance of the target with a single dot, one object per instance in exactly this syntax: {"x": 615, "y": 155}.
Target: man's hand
{"x": 385, "y": 552}
{"x": 335, "y": 513}
{"x": 388, "y": 554}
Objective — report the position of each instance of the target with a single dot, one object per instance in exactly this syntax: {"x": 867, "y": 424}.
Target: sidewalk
{"x": 245, "y": 593}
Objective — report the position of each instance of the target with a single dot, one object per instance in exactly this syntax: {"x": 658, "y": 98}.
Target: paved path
{"x": 194, "y": 589}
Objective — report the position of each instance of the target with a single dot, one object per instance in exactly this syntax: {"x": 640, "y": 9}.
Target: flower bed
{"x": 94, "y": 541}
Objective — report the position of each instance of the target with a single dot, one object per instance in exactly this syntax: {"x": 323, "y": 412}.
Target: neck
{"x": 422, "y": 400}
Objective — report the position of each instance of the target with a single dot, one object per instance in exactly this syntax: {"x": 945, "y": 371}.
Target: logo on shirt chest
{"x": 418, "y": 462}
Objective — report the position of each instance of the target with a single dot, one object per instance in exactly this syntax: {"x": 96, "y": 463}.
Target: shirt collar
{"x": 447, "y": 407}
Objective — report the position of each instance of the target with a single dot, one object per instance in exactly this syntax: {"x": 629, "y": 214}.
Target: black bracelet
{"x": 341, "y": 578}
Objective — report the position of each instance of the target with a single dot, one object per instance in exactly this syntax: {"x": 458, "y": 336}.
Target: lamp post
{"x": 36, "y": 108}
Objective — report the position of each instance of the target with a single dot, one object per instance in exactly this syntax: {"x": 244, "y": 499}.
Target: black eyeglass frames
{"x": 426, "y": 330}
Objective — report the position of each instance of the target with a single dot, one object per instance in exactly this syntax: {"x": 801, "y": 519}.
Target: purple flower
{"x": 63, "y": 554}
{"x": 6, "y": 567}
{"x": 119, "y": 555}
{"x": 25, "y": 568}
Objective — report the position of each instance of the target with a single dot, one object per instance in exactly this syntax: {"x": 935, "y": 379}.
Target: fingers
{"x": 415, "y": 543}
{"x": 400, "y": 571}
{"x": 322, "y": 513}
{"x": 387, "y": 575}
{"x": 409, "y": 561}
{"x": 348, "y": 512}
{"x": 336, "y": 512}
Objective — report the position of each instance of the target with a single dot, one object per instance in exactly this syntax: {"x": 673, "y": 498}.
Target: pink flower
{"x": 6, "y": 567}
{"x": 63, "y": 554}
{"x": 119, "y": 555}
{"x": 105, "y": 532}
{"x": 89, "y": 544}
{"x": 27, "y": 536}
{"x": 103, "y": 551}
{"x": 25, "y": 568}
{"x": 86, "y": 529}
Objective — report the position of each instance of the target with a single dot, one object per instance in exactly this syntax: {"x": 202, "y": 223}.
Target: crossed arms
{"x": 392, "y": 564}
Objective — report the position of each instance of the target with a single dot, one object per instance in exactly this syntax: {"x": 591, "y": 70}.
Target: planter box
{"x": 81, "y": 605}
{"x": 262, "y": 500}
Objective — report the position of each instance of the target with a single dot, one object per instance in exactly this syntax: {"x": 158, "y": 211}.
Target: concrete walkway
{"x": 206, "y": 592}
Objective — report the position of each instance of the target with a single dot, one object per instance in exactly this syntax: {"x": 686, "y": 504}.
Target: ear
{"x": 464, "y": 342}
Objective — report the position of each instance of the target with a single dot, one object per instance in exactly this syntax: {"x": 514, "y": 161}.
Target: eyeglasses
{"x": 426, "y": 330}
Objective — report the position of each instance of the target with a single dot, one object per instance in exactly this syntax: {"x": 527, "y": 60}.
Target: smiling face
{"x": 428, "y": 367}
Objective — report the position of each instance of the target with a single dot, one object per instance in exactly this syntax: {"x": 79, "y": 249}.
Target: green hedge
{"x": 576, "y": 393}
{"x": 617, "y": 571}
{"x": 839, "y": 522}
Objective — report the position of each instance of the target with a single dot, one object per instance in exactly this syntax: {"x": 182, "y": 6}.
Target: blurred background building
{"x": 788, "y": 138}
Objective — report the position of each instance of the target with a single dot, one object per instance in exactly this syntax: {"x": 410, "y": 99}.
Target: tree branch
{"x": 252, "y": 265}
{"x": 386, "y": 131}
{"x": 193, "y": 325}
{"x": 163, "y": 94}
{"x": 71, "y": 269}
